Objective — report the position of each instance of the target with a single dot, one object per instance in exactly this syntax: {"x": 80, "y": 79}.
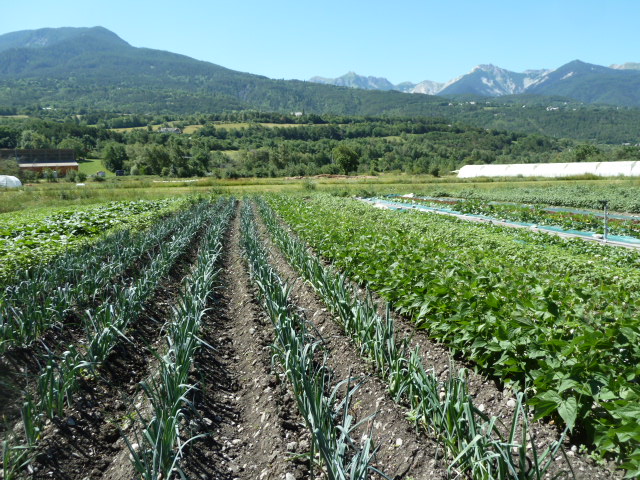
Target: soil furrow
{"x": 20, "y": 367}
{"x": 249, "y": 416}
{"x": 87, "y": 442}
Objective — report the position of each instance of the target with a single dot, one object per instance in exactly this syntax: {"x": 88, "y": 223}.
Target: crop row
{"x": 301, "y": 357}
{"x": 42, "y": 296}
{"x": 539, "y": 215}
{"x": 104, "y": 326}
{"x": 531, "y": 312}
{"x": 158, "y": 448}
{"x": 623, "y": 196}
{"x": 474, "y": 442}
{"x": 26, "y": 241}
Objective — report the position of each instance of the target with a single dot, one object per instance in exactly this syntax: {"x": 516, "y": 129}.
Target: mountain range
{"x": 617, "y": 84}
{"x": 95, "y": 69}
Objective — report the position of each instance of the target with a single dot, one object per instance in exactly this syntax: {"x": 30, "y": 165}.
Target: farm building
{"x": 601, "y": 169}
{"x": 9, "y": 181}
{"x": 38, "y": 160}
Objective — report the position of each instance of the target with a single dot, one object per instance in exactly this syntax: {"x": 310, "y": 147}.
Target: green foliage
{"x": 30, "y": 139}
{"x": 74, "y": 144}
{"x": 309, "y": 185}
{"x": 536, "y": 214}
{"x": 443, "y": 407}
{"x": 119, "y": 304}
{"x": 112, "y": 76}
{"x": 114, "y": 156}
{"x": 622, "y": 196}
{"x": 301, "y": 146}
{"x": 272, "y": 144}
{"x": 28, "y": 240}
{"x": 302, "y": 359}
{"x": 9, "y": 166}
{"x": 160, "y": 446}
{"x": 346, "y": 158}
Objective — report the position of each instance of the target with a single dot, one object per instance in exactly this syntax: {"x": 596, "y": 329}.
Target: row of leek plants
{"x": 474, "y": 442}
{"x": 41, "y": 297}
{"x": 158, "y": 448}
{"x": 297, "y": 351}
{"x": 61, "y": 374}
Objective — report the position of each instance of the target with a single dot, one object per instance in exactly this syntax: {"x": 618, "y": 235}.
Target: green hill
{"x": 95, "y": 68}
{"x": 592, "y": 84}
{"x": 83, "y": 70}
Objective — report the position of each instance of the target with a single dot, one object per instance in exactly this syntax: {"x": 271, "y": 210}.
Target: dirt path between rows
{"x": 247, "y": 419}
{"x": 87, "y": 442}
{"x": 252, "y": 419}
{"x": 20, "y": 367}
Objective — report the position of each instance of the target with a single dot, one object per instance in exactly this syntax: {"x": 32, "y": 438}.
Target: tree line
{"x": 260, "y": 144}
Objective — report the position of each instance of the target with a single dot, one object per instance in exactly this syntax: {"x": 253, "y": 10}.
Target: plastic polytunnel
{"x": 9, "y": 181}
{"x": 601, "y": 169}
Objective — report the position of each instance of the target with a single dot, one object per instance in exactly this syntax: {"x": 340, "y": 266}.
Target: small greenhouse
{"x": 9, "y": 181}
{"x": 553, "y": 170}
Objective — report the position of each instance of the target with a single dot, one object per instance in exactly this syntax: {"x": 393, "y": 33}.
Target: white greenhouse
{"x": 601, "y": 169}
{"x": 9, "y": 181}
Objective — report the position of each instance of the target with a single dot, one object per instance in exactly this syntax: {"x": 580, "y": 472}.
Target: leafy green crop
{"x": 623, "y": 195}
{"x": 27, "y": 240}
{"x": 540, "y": 215}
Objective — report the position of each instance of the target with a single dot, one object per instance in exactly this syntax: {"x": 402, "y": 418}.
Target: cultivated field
{"x": 304, "y": 334}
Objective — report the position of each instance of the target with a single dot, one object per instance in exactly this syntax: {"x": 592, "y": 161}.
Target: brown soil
{"x": 252, "y": 420}
{"x": 20, "y": 367}
{"x": 402, "y": 453}
{"x": 248, "y": 419}
{"x": 87, "y": 441}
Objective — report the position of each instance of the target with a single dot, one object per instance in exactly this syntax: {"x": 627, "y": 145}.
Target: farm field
{"x": 564, "y": 218}
{"x": 91, "y": 166}
{"x": 208, "y": 341}
{"x": 552, "y": 316}
{"x": 40, "y": 235}
{"x": 622, "y": 194}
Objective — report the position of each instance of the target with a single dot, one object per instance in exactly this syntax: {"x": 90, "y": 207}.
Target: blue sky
{"x": 406, "y": 40}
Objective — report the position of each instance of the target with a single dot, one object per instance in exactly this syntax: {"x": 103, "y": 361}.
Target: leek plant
{"x": 16, "y": 456}
{"x": 158, "y": 448}
{"x": 41, "y": 297}
{"x": 473, "y": 441}
{"x": 60, "y": 377}
{"x": 297, "y": 351}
